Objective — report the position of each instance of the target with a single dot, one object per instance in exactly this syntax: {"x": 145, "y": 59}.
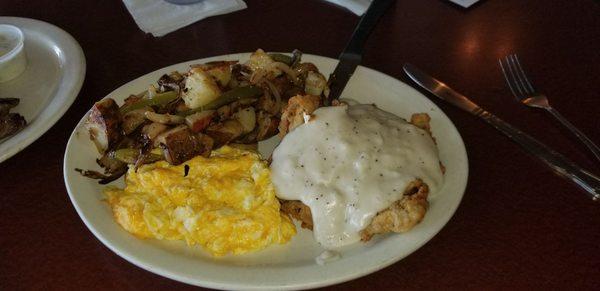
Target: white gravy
{"x": 349, "y": 162}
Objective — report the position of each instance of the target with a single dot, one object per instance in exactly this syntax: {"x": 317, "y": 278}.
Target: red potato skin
{"x": 199, "y": 124}
{"x": 225, "y": 132}
{"x": 105, "y": 119}
{"x": 180, "y": 144}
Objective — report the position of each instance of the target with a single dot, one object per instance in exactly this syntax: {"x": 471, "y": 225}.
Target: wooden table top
{"x": 518, "y": 226}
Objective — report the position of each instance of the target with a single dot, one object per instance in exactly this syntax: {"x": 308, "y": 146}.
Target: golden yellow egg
{"x": 225, "y": 203}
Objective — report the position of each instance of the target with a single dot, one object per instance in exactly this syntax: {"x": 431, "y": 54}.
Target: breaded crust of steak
{"x": 293, "y": 113}
{"x": 421, "y": 120}
{"x": 299, "y": 211}
{"x": 401, "y": 216}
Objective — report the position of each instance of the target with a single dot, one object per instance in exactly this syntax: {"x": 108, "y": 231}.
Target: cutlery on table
{"x": 561, "y": 165}
{"x": 521, "y": 88}
{"x": 352, "y": 55}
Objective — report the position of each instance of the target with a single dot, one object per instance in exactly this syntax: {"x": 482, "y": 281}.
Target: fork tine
{"x": 518, "y": 76}
{"x": 521, "y": 94}
{"x": 515, "y": 77}
{"x": 524, "y": 75}
{"x": 508, "y": 80}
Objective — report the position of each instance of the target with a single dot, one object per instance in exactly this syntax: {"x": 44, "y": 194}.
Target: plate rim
{"x": 74, "y": 66}
{"x": 164, "y": 272}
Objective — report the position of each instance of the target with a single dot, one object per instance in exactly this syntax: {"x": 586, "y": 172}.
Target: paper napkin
{"x": 160, "y": 17}
{"x": 359, "y": 7}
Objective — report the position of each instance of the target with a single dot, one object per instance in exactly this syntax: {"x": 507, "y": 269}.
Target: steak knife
{"x": 561, "y": 165}
{"x": 352, "y": 55}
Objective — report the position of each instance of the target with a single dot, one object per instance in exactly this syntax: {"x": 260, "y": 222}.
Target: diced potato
{"x": 220, "y": 70}
{"x": 266, "y": 125}
{"x": 169, "y": 119}
{"x": 199, "y": 121}
{"x": 247, "y": 117}
{"x": 200, "y": 89}
{"x": 104, "y": 124}
{"x": 315, "y": 83}
{"x": 152, "y": 130}
{"x": 224, "y": 132}
{"x": 181, "y": 144}
{"x": 221, "y": 73}
{"x": 259, "y": 60}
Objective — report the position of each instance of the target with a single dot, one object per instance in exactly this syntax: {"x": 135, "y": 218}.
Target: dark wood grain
{"x": 519, "y": 226}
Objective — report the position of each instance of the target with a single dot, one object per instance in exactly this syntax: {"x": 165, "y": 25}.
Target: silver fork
{"x": 522, "y": 89}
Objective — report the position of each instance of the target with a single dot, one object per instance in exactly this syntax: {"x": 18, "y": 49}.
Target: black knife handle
{"x": 351, "y": 56}
{"x": 365, "y": 26}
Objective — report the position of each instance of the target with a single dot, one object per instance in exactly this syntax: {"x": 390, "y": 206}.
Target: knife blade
{"x": 440, "y": 89}
{"x": 587, "y": 181}
{"x": 351, "y": 57}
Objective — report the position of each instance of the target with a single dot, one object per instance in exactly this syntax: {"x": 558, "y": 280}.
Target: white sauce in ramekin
{"x": 350, "y": 162}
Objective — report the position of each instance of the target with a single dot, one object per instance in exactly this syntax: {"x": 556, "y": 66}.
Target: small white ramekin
{"x": 12, "y": 52}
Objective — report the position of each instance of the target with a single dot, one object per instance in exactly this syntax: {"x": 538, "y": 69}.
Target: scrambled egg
{"x": 225, "y": 203}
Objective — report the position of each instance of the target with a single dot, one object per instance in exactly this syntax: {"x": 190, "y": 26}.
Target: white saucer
{"x": 51, "y": 82}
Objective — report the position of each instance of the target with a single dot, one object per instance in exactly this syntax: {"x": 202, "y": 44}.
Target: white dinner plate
{"x": 48, "y": 86}
{"x": 289, "y": 266}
